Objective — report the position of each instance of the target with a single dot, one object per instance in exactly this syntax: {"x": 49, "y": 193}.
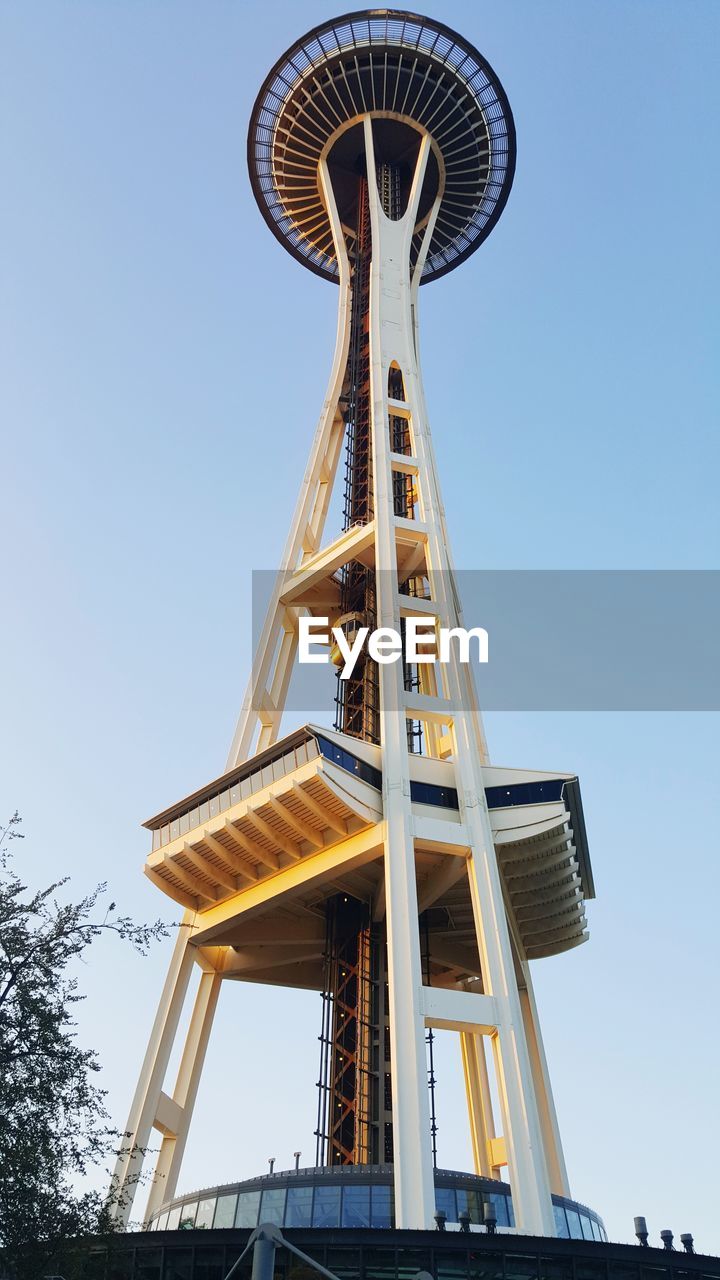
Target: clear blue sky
{"x": 156, "y": 344}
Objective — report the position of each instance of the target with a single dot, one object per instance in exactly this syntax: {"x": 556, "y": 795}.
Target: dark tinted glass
{"x": 410, "y": 1261}
{"x": 521, "y": 1266}
{"x": 120, "y": 1264}
{"x": 451, "y": 1264}
{"x": 623, "y": 1271}
{"x": 148, "y": 1264}
{"x": 485, "y": 1266}
{"x": 344, "y": 1262}
{"x": 379, "y": 1263}
{"x": 177, "y": 1264}
{"x": 209, "y": 1263}
{"x": 556, "y": 1269}
{"x": 590, "y": 1269}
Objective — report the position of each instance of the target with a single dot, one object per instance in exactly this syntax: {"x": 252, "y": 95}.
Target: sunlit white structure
{"x": 384, "y": 862}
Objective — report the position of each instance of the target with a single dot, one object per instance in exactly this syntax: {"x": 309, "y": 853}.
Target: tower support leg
{"x": 174, "y": 1120}
{"x": 143, "y": 1110}
{"x": 477, "y": 1088}
{"x": 414, "y": 1184}
{"x": 557, "y": 1171}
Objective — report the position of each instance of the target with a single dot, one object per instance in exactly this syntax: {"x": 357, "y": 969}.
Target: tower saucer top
{"x": 406, "y": 71}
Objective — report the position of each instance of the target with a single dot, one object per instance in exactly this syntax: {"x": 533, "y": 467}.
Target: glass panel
{"x": 148, "y": 1263}
{"x": 445, "y": 1202}
{"x": 502, "y": 1206}
{"x": 247, "y": 1209}
{"x": 561, "y": 1225}
{"x": 521, "y": 1266}
{"x": 206, "y": 1209}
{"x": 573, "y": 1218}
{"x": 174, "y": 829}
{"x": 203, "y": 813}
{"x": 295, "y": 1268}
{"x": 173, "y": 1221}
{"x": 485, "y": 1266}
{"x": 586, "y": 1225}
{"x": 243, "y": 1270}
{"x": 470, "y": 1200}
{"x": 177, "y": 1264}
{"x": 410, "y": 1261}
{"x": 187, "y": 1215}
{"x": 343, "y": 1262}
{"x": 356, "y": 1206}
{"x": 379, "y": 1263}
{"x": 326, "y": 1208}
{"x": 214, "y": 806}
{"x": 595, "y": 1229}
{"x": 225, "y": 1211}
{"x": 556, "y": 1269}
{"x": 622, "y": 1271}
{"x": 162, "y": 1222}
{"x": 381, "y": 1214}
{"x": 590, "y": 1269}
{"x": 272, "y": 1205}
{"x": 298, "y": 1211}
{"x": 209, "y": 1263}
{"x": 95, "y": 1264}
{"x": 184, "y": 824}
{"x": 120, "y": 1264}
{"x": 451, "y": 1264}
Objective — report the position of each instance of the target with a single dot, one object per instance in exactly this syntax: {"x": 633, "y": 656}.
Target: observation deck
{"x": 411, "y": 74}
{"x": 257, "y": 852}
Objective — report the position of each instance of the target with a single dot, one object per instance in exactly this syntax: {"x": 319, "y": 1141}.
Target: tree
{"x": 54, "y": 1125}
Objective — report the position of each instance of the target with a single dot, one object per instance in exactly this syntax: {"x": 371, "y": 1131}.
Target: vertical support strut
{"x": 357, "y": 698}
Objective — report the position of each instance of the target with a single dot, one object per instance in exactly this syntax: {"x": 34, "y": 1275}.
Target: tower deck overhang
{"x": 276, "y": 836}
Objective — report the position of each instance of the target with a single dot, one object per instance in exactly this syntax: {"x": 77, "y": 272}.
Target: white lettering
{"x": 350, "y": 653}
{"x": 306, "y": 639}
{"x": 385, "y": 645}
{"x": 464, "y": 637}
{"x": 419, "y": 631}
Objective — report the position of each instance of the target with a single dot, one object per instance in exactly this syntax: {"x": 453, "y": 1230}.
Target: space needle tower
{"x": 380, "y": 860}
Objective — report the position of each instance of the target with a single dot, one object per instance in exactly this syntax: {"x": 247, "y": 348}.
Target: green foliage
{"x": 54, "y": 1126}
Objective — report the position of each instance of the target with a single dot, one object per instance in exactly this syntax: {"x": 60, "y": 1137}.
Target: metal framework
{"x": 381, "y": 152}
